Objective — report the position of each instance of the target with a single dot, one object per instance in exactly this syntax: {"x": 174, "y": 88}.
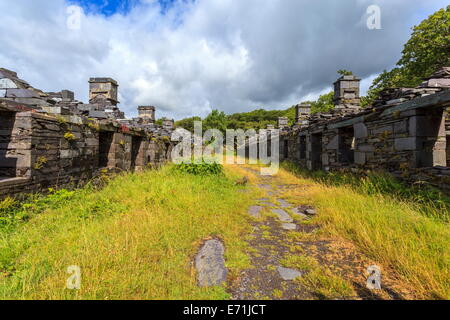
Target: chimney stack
{"x": 346, "y": 92}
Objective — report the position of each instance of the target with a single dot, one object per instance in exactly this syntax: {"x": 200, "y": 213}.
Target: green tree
{"x": 324, "y": 103}
{"x": 187, "y": 123}
{"x": 428, "y": 49}
{"x": 425, "y": 52}
{"x": 216, "y": 120}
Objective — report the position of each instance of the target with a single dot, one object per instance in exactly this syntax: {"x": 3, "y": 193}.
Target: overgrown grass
{"x": 202, "y": 168}
{"x": 426, "y": 199}
{"x": 402, "y": 232}
{"x": 134, "y": 239}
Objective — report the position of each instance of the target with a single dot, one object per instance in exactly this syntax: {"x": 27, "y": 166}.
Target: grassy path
{"x": 293, "y": 259}
{"x": 136, "y": 239}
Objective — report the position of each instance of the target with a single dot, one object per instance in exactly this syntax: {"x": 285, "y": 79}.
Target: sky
{"x": 187, "y": 57}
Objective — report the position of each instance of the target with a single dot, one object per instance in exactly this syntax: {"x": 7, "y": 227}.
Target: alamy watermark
{"x": 238, "y": 147}
{"x": 74, "y": 15}
{"x": 374, "y": 279}
{"x": 374, "y": 19}
{"x": 74, "y": 281}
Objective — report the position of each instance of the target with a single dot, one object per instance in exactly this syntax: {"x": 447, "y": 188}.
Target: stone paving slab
{"x": 289, "y": 274}
{"x": 283, "y": 203}
{"x": 289, "y": 226}
{"x": 255, "y": 211}
{"x": 299, "y": 213}
{"x": 283, "y": 215}
{"x": 210, "y": 264}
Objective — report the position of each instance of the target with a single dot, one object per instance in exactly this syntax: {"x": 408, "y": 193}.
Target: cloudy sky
{"x": 189, "y": 56}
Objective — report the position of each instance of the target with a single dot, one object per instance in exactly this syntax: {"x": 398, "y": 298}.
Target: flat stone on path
{"x": 283, "y": 203}
{"x": 263, "y": 199}
{"x": 283, "y": 215}
{"x": 289, "y": 226}
{"x": 311, "y": 212}
{"x": 255, "y": 211}
{"x": 289, "y": 274}
{"x": 210, "y": 264}
{"x": 299, "y": 213}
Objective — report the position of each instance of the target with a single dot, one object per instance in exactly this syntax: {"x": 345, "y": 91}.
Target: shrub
{"x": 200, "y": 169}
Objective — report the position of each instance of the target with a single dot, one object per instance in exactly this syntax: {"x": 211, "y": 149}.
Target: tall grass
{"x": 403, "y": 232}
{"x": 134, "y": 239}
{"x": 425, "y": 199}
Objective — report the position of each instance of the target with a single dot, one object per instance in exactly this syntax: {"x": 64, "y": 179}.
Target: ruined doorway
{"x": 105, "y": 143}
{"x": 135, "y": 148}
{"x": 8, "y": 160}
{"x": 302, "y": 147}
{"x": 346, "y": 148}
{"x": 430, "y": 132}
{"x": 316, "y": 151}
{"x": 447, "y": 137}
{"x": 286, "y": 149}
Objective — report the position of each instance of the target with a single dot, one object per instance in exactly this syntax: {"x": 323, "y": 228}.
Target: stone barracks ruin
{"x": 49, "y": 139}
{"x": 406, "y": 132}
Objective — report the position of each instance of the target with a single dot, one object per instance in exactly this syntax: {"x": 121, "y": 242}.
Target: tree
{"x": 324, "y": 103}
{"x": 187, "y": 123}
{"x": 425, "y": 52}
{"x": 215, "y": 120}
{"x": 428, "y": 49}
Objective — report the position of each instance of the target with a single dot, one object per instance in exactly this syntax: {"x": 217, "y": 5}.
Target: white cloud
{"x": 227, "y": 54}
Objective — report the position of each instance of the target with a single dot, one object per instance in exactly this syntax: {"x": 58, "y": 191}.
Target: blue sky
{"x": 110, "y": 7}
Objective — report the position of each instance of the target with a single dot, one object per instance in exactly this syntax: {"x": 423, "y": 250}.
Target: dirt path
{"x": 292, "y": 260}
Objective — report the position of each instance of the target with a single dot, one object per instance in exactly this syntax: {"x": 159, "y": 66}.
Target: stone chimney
{"x": 147, "y": 113}
{"x": 103, "y": 89}
{"x": 302, "y": 111}
{"x": 67, "y": 95}
{"x": 346, "y": 91}
{"x": 283, "y": 122}
{"x": 168, "y": 124}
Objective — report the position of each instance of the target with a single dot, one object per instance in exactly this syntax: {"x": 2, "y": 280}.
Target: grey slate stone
{"x": 360, "y": 158}
{"x": 299, "y": 213}
{"x": 360, "y": 130}
{"x": 334, "y": 143}
{"x": 289, "y": 274}
{"x": 98, "y": 114}
{"x": 210, "y": 264}
{"x": 311, "y": 212}
{"x": 20, "y": 93}
{"x": 283, "y": 203}
{"x": 289, "y": 226}
{"x": 255, "y": 211}
{"x": 403, "y": 144}
{"x": 283, "y": 215}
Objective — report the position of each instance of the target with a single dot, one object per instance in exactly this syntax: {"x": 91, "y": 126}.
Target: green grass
{"x": 402, "y": 234}
{"x": 425, "y": 199}
{"x": 133, "y": 239}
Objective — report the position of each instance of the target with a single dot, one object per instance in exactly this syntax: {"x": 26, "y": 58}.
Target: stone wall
{"x": 406, "y": 133}
{"x": 49, "y": 139}
{"x": 48, "y": 151}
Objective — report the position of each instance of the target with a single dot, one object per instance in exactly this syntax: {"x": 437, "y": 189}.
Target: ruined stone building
{"x": 49, "y": 139}
{"x": 406, "y": 132}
